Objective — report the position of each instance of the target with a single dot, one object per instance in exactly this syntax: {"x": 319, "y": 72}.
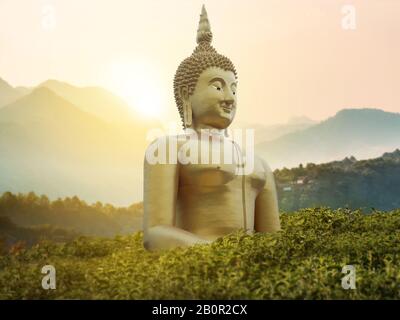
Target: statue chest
{"x": 220, "y": 175}
{"x": 214, "y": 197}
{"x": 210, "y": 164}
{"x": 213, "y": 200}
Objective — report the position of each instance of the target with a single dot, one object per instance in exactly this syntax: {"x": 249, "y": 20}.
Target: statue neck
{"x": 212, "y": 130}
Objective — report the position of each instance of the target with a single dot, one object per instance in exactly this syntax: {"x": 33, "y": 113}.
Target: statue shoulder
{"x": 163, "y": 150}
{"x": 262, "y": 162}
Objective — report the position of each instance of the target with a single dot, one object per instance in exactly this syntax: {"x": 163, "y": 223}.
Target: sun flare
{"x": 140, "y": 86}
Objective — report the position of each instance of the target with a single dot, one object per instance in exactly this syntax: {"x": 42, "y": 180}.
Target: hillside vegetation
{"x": 303, "y": 261}
{"x": 368, "y": 184}
{"x": 71, "y": 213}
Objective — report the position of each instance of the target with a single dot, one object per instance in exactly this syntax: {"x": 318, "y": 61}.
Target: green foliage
{"x": 31, "y": 210}
{"x": 349, "y": 183}
{"x": 303, "y": 261}
{"x": 12, "y": 234}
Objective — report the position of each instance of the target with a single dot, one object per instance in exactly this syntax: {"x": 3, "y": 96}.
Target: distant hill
{"x": 43, "y": 105}
{"x": 50, "y": 146}
{"x": 265, "y": 133}
{"x": 9, "y": 94}
{"x": 364, "y": 133}
{"x": 46, "y": 122}
{"x": 94, "y": 100}
{"x": 395, "y": 156}
{"x": 368, "y": 184}
{"x": 28, "y": 216}
{"x": 11, "y": 234}
{"x": 23, "y": 90}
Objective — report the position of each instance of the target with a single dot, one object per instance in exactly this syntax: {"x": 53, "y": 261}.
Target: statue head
{"x": 205, "y": 84}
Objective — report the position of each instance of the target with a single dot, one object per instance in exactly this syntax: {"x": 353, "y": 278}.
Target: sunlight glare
{"x": 139, "y": 85}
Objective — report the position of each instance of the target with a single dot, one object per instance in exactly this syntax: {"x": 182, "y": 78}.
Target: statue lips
{"x": 227, "y": 107}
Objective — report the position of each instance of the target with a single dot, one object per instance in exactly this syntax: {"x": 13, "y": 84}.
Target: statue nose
{"x": 229, "y": 97}
{"x": 228, "y": 103}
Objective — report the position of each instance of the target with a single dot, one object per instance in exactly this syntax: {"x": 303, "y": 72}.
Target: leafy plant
{"x": 303, "y": 261}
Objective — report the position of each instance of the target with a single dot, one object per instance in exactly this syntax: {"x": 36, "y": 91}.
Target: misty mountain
{"x": 24, "y": 90}
{"x": 50, "y": 146}
{"x": 9, "y": 94}
{"x": 265, "y": 133}
{"x": 94, "y": 100}
{"x": 362, "y": 133}
{"x": 61, "y": 140}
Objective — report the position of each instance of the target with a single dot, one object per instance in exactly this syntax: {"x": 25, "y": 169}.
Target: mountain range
{"x": 362, "y": 133}
{"x": 57, "y": 147}
{"x": 263, "y": 133}
{"x": 94, "y": 100}
{"x": 9, "y": 94}
{"x": 61, "y": 140}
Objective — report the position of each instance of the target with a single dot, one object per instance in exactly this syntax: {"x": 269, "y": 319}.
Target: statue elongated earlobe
{"x": 187, "y": 111}
{"x": 187, "y": 108}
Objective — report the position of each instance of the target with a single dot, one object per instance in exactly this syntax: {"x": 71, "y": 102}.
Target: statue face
{"x": 213, "y": 101}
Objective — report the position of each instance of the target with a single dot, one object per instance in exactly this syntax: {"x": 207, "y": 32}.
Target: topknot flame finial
{"x": 204, "y": 33}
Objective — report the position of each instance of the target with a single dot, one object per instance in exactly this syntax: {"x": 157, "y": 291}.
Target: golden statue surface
{"x": 201, "y": 191}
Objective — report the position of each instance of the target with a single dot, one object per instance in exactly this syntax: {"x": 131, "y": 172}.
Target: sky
{"x": 294, "y": 58}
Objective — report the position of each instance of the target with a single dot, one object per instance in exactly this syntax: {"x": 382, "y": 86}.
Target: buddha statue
{"x": 196, "y": 202}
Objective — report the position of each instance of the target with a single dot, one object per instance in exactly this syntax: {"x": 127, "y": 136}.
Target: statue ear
{"x": 187, "y": 107}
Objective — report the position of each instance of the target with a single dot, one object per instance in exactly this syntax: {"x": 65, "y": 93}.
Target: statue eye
{"x": 233, "y": 87}
{"x": 217, "y": 85}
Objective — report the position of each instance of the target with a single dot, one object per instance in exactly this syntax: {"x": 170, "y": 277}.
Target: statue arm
{"x": 266, "y": 208}
{"x": 159, "y": 199}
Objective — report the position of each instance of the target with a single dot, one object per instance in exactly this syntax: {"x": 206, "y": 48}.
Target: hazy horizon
{"x": 293, "y": 59}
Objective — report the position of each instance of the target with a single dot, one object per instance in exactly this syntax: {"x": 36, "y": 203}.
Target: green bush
{"x": 303, "y": 261}
{"x": 372, "y": 183}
